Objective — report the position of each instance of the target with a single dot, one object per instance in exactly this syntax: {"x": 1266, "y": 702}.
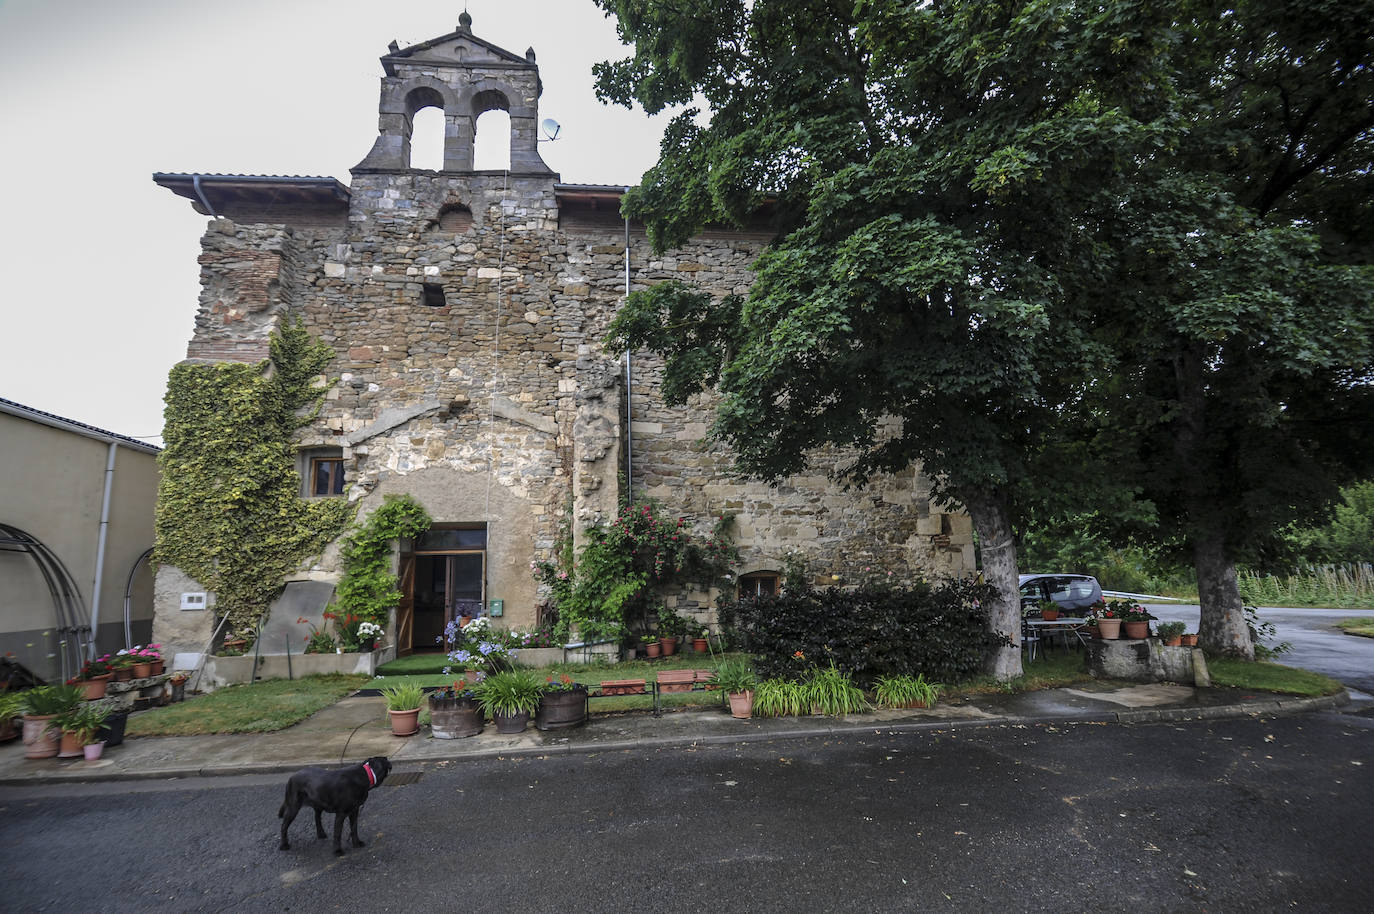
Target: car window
{"x": 1080, "y": 589}
{"x": 1060, "y": 589}
{"x": 1030, "y": 590}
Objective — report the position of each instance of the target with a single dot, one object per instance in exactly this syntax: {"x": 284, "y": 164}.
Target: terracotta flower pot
{"x": 70, "y": 747}
{"x": 1135, "y": 629}
{"x": 404, "y": 723}
{"x": 1189, "y": 640}
{"x": 40, "y": 739}
{"x": 669, "y": 646}
{"x": 699, "y": 645}
{"x": 652, "y": 649}
{"x": 157, "y": 667}
{"x": 1049, "y": 615}
{"x": 742, "y": 704}
{"x": 95, "y": 686}
{"x": 143, "y": 670}
{"x": 124, "y": 674}
{"x": 1174, "y": 641}
{"x": 1109, "y": 629}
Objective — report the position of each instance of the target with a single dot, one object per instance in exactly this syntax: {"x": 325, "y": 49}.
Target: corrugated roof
{"x": 71, "y": 425}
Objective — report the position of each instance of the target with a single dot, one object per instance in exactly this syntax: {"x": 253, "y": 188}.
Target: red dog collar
{"x": 371, "y": 778}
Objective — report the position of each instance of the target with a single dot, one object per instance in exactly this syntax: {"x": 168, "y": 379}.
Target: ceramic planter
{"x": 1109, "y": 629}
{"x": 92, "y": 751}
{"x": 40, "y": 739}
{"x": 668, "y": 645}
{"x": 742, "y": 704}
{"x": 95, "y": 686}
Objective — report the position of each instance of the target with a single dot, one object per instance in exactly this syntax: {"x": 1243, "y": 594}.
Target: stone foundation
{"x": 1147, "y": 660}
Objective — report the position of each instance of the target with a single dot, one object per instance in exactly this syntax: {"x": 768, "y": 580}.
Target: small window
{"x": 448, "y": 539}
{"x": 434, "y": 295}
{"x": 326, "y": 476}
{"x": 758, "y": 584}
{"x": 322, "y": 472}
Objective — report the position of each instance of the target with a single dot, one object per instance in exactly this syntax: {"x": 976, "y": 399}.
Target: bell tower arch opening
{"x": 467, "y": 79}
{"x": 492, "y": 135}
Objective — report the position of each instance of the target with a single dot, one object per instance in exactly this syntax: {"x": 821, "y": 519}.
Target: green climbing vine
{"x": 229, "y": 510}
{"x": 368, "y": 589}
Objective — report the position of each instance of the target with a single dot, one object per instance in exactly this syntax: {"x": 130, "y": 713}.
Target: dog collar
{"x": 371, "y": 778}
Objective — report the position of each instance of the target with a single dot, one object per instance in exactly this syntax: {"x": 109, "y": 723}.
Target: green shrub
{"x": 781, "y": 698}
{"x": 833, "y": 693}
{"x": 904, "y": 691}
{"x": 939, "y": 630}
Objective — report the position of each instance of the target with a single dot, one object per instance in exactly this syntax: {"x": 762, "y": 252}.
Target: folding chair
{"x": 1029, "y": 639}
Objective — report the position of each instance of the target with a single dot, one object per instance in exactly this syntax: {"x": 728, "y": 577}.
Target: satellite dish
{"x": 550, "y": 127}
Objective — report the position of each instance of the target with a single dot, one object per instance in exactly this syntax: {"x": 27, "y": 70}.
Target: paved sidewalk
{"x": 356, "y": 728}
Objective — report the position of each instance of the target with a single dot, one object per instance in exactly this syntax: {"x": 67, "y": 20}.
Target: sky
{"x": 100, "y": 280}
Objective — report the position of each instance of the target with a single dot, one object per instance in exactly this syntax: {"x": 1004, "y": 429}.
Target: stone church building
{"x": 466, "y": 309}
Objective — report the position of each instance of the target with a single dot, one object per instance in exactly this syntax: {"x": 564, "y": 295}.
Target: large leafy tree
{"x": 958, "y": 191}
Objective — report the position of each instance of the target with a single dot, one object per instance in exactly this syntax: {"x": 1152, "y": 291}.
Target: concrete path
{"x": 357, "y": 728}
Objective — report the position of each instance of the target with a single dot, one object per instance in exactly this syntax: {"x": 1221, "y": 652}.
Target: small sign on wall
{"x": 496, "y": 608}
{"x": 193, "y": 601}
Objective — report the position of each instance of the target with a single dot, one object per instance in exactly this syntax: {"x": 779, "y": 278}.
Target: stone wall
{"x": 470, "y": 370}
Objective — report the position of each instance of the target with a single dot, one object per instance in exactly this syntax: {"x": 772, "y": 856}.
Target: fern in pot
{"x": 510, "y": 697}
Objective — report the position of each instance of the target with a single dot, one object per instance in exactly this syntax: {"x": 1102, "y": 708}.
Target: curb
{"x": 1266, "y": 708}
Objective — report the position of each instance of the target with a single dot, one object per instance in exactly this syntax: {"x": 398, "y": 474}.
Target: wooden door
{"x": 405, "y": 609}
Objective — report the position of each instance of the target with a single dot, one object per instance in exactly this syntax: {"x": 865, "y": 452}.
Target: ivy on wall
{"x": 229, "y": 509}
{"x": 368, "y": 589}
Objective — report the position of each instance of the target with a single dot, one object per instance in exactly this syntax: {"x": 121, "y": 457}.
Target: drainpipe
{"x": 195, "y": 182}
{"x": 629, "y": 387}
{"x": 100, "y": 549}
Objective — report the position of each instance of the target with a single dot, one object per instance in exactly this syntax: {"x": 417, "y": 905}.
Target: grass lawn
{"x": 259, "y": 707}
{"x": 1263, "y": 676}
{"x": 1363, "y": 627}
{"x": 1049, "y": 670}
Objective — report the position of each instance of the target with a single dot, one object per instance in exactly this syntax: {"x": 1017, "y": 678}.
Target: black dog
{"x": 342, "y": 791}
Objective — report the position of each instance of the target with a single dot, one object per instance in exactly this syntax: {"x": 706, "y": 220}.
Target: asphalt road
{"x": 1316, "y": 643}
{"x": 1240, "y": 815}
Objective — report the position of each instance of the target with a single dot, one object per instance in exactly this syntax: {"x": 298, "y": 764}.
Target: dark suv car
{"x": 1073, "y": 592}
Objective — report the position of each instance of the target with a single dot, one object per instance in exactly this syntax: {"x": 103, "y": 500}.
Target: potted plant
{"x": 562, "y": 705}
{"x": 455, "y": 712}
{"x": 1171, "y": 633}
{"x": 369, "y": 636}
{"x": 902, "y": 691}
{"x": 735, "y": 676}
{"x": 95, "y": 675}
{"x": 671, "y": 627}
{"x": 83, "y": 723}
{"x": 1107, "y": 620}
{"x": 700, "y": 643}
{"x": 652, "y": 648}
{"x": 403, "y": 702}
{"x": 510, "y": 697}
{"x": 1135, "y": 620}
{"x": 11, "y": 706}
{"x": 1189, "y": 639}
{"x": 41, "y": 707}
{"x": 1049, "y": 610}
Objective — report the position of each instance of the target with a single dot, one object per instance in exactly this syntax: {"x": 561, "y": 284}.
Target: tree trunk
{"x": 1222, "y": 629}
{"x": 995, "y": 545}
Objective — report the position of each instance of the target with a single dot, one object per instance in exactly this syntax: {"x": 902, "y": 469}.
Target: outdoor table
{"x": 1062, "y": 626}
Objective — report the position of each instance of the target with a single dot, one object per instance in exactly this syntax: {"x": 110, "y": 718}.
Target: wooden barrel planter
{"x": 455, "y": 718}
{"x": 560, "y": 710}
{"x": 511, "y": 723}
